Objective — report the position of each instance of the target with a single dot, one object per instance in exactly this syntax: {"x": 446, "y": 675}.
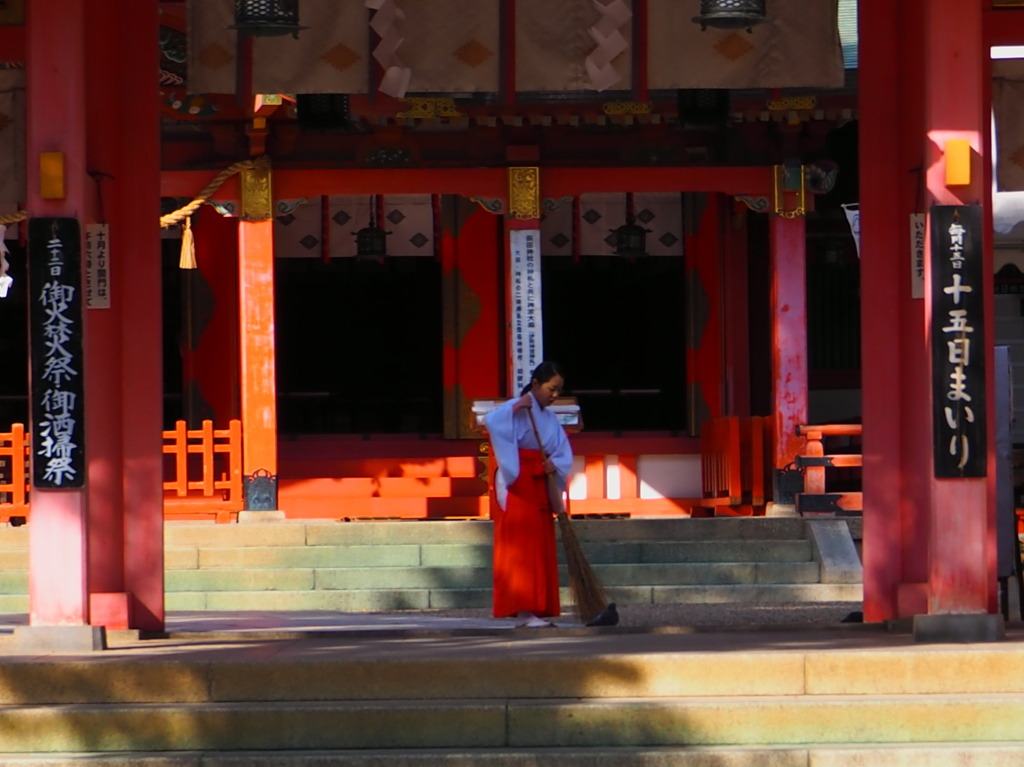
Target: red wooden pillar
{"x": 55, "y": 98}
{"x": 138, "y": 213}
{"x": 108, "y": 599}
{"x": 789, "y": 334}
{"x": 705, "y": 343}
{"x": 210, "y": 353}
{"x": 118, "y": 184}
{"x": 892, "y": 323}
{"x": 736, "y": 327}
{"x": 961, "y": 546}
{"x": 96, "y": 554}
{"x": 473, "y": 365}
{"x": 920, "y": 77}
{"x": 256, "y": 342}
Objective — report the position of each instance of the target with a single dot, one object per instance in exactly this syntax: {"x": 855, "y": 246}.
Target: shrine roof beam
{"x": 482, "y": 182}
{"x": 12, "y": 44}
{"x": 1003, "y": 26}
{"x": 561, "y": 182}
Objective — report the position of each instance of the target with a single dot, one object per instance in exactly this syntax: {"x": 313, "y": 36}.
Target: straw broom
{"x": 586, "y": 589}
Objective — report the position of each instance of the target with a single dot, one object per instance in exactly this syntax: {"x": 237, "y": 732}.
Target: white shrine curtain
{"x": 408, "y": 220}
{"x": 12, "y": 140}
{"x": 454, "y": 47}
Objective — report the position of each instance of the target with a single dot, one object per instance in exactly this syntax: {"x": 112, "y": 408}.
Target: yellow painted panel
{"x": 958, "y": 162}
{"x": 51, "y": 175}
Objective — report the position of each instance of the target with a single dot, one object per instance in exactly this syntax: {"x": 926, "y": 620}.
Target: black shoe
{"x": 610, "y": 617}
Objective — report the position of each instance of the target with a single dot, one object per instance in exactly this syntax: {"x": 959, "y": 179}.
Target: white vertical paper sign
{"x": 527, "y": 336}
{"x": 917, "y": 227}
{"x": 97, "y": 266}
{"x": 852, "y": 211}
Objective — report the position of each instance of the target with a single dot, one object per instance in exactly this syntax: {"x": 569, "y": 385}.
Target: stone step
{"x": 479, "y": 555}
{"x": 385, "y": 566}
{"x": 321, "y": 533}
{"x": 14, "y": 582}
{"x": 518, "y": 723}
{"x": 14, "y": 603}
{"x": 596, "y": 667}
{"x": 12, "y": 538}
{"x": 386, "y": 600}
{"x": 939, "y": 754}
{"x": 436, "y": 578}
{"x": 459, "y": 555}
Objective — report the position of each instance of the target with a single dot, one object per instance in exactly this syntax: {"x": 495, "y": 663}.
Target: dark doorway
{"x": 359, "y": 346}
{"x": 618, "y": 327}
{"x": 14, "y": 342}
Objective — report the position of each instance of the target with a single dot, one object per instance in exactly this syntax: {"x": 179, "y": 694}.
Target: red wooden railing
{"x": 218, "y": 471}
{"x": 814, "y": 461}
{"x": 735, "y": 456}
{"x": 204, "y": 471}
{"x": 721, "y": 475}
{"x": 14, "y": 450}
{"x": 629, "y": 503}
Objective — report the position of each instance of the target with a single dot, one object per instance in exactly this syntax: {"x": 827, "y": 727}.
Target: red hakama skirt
{"x": 525, "y": 559}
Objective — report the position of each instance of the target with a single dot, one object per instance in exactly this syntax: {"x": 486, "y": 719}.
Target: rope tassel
{"x": 188, "y": 247}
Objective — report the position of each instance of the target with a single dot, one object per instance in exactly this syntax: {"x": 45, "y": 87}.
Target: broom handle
{"x": 554, "y": 496}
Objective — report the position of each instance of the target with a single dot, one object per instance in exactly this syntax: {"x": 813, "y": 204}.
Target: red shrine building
{"x": 262, "y": 258}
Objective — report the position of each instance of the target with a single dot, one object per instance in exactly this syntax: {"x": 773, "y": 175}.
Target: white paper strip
{"x": 610, "y": 43}
{"x": 917, "y": 226}
{"x": 5, "y": 279}
{"x": 852, "y": 211}
{"x": 527, "y": 338}
{"x": 387, "y": 14}
{"x": 97, "y": 266}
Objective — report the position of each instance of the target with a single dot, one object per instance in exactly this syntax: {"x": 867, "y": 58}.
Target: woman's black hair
{"x": 545, "y": 372}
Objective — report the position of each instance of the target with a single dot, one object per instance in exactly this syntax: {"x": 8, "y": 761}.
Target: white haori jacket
{"x": 511, "y": 432}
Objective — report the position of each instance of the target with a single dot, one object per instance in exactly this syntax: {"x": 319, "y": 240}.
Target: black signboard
{"x": 55, "y": 321}
{"x": 958, "y": 341}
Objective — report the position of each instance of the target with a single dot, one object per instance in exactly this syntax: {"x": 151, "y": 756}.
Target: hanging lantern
{"x": 371, "y": 243}
{"x": 371, "y": 240}
{"x": 731, "y": 14}
{"x": 630, "y": 241}
{"x": 630, "y": 238}
{"x": 267, "y": 18}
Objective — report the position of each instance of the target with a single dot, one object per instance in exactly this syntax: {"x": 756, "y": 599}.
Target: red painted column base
{"x": 111, "y": 610}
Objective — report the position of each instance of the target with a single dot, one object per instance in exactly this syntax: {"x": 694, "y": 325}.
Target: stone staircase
{"x": 839, "y": 699}
{"x": 847, "y": 696}
{"x": 420, "y": 565}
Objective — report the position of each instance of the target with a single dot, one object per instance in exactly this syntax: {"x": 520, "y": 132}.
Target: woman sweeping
{"x": 525, "y": 561}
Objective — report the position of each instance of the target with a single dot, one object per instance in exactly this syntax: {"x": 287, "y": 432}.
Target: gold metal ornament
{"x": 524, "y": 193}
{"x": 257, "y": 198}
{"x": 626, "y": 107}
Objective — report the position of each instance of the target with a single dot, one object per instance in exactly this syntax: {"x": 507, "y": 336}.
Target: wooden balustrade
{"x": 219, "y": 482}
{"x": 204, "y": 467}
{"x": 720, "y": 472}
{"x": 735, "y": 455}
{"x": 14, "y": 455}
{"x": 629, "y": 502}
{"x": 815, "y": 499}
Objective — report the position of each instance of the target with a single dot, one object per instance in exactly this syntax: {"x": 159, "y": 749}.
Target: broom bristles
{"x": 587, "y": 592}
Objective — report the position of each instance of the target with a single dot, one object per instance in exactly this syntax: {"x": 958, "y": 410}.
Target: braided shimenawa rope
{"x": 182, "y": 213}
